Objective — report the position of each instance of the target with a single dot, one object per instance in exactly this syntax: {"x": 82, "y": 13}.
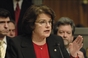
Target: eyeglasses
{"x": 43, "y": 22}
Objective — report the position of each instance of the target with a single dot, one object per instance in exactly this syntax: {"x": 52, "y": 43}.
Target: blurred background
{"x": 74, "y": 9}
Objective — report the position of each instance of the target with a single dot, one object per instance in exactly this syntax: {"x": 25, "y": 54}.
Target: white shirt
{"x": 68, "y": 50}
{"x": 5, "y": 46}
{"x": 15, "y": 2}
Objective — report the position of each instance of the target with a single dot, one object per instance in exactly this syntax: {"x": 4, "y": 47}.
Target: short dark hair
{"x": 30, "y": 17}
{"x": 13, "y": 22}
{"x": 4, "y": 13}
{"x": 64, "y": 21}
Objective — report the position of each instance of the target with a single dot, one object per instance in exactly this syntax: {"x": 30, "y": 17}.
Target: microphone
{"x": 60, "y": 50}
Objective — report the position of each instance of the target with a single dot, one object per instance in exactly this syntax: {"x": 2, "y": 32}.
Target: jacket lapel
{"x": 27, "y": 48}
{"x": 8, "y": 47}
{"x": 55, "y": 50}
{"x": 53, "y": 47}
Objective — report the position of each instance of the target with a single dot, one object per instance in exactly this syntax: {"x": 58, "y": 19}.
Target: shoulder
{"x": 20, "y": 38}
{"x": 8, "y": 38}
{"x": 55, "y": 37}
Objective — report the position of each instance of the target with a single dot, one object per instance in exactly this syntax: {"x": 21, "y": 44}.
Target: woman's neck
{"x": 38, "y": 40}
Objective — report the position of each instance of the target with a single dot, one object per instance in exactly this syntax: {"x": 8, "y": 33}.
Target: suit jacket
{"x": 8, "y": 4}
{"x": 8, "y": 43}
{"x": 22, "y": 47}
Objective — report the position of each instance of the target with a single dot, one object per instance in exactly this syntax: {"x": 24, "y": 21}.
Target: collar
{"x": 4, "y": 40}
{"x": 15, "y": 2}
{"x": 68, "y": 50}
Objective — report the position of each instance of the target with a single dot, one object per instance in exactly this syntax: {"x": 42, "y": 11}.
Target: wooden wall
{"x": 73, "y": 9}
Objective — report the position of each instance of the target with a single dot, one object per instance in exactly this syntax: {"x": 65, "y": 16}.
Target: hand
{"x": 80, "y": 54}
{"x": 75, "y": 46}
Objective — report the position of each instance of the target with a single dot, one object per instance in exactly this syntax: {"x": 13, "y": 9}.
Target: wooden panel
{"x": 73, "y": 9}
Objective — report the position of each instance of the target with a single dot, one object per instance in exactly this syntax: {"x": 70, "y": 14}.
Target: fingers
{"x": 79, "y": 41}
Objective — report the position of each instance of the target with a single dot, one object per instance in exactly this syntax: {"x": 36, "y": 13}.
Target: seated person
{"x": 65, "y": 28}
{"x": 12, "y": 31}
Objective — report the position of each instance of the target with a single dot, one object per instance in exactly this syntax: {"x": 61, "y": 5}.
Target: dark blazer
{"x": 8, "y": 43}
{"x": 22, "y": 47}
{"x": 8, "y": 4}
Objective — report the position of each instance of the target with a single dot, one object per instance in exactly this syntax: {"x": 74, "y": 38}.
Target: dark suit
{"x": 8, "y": 4}
{"x": 8, "y": 44}
{"x": 22, "y": 47}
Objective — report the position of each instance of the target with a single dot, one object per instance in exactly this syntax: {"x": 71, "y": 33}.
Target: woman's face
{"x": 43, "y": 25}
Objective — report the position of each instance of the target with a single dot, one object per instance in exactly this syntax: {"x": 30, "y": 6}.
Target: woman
{"x": 37, "y": 41}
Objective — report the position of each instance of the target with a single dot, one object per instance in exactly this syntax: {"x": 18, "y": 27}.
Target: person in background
{"x": 17, "y": 7}
{"x": 12, "y": 29}
{"x": 4, "y": 40}
{"x": 37, "y": 40}
{"x": 65, "y": 28}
